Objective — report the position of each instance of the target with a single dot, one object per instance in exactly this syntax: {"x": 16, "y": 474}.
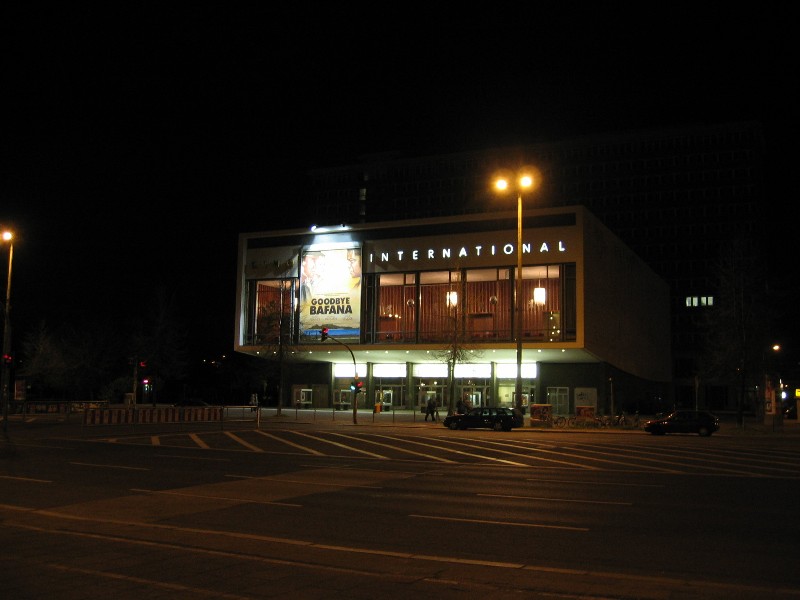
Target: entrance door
{"x": 558, "y": 398}
{"x": 342, "y": 399}
{"x": 430, "y": 391}
{"x": 472, "y": 396}
{"x": 389, "y": 397}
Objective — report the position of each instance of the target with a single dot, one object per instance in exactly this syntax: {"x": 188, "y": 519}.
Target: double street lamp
{"x": 7, "y": 236}
{"x": 521, "y": 182}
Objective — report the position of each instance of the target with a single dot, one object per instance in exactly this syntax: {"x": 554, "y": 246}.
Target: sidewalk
{"x": 409, "y": 418}
{"x": 55, "y": 425}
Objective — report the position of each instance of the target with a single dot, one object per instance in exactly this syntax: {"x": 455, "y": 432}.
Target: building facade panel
{"x": 400, "y": 294}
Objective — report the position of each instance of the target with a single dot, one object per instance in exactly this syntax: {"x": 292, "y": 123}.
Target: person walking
{"x": 430, "y": 409}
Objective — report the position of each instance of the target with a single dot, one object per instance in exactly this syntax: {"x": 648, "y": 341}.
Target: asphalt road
{"x": 305, "y": 509}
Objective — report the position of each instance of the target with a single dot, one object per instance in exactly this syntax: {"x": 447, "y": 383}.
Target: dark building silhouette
{"x": 678, "y": 197}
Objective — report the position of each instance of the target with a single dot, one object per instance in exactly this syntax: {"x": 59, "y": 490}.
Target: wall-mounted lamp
{"x": 452, "y": 299}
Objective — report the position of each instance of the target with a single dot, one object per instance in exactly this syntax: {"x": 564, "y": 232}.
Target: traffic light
{"x": 357, "y": 385}
{"x": 323, "y": 334}
{"x": 8, "y": 360}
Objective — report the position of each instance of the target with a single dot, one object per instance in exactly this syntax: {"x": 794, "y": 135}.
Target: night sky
{"x": 137, "y": 145}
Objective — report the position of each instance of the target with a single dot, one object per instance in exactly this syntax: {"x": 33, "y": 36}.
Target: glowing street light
{"x": 523, "y": 181}
{"x": 773, "y": 384}
{"x": 5, "y": 383}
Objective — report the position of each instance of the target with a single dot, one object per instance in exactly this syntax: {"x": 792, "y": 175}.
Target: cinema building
{"x": 399, "y": 297}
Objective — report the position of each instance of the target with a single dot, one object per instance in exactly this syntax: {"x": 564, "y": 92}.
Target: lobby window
{"x": 541, "y": 303}
{"x": 270, "y": 310}
{"x": 396, "y": 307}
{"x": 440, "y": 303}
{"x": 477, "y": 303}
{"x": 487, "y": 303}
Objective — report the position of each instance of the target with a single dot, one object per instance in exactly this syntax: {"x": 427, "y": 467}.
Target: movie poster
{"x": 330, "y": 292}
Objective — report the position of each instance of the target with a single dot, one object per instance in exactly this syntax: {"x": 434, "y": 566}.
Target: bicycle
{"x": 607, "y": 421}
{"x": 622, "y": 420}
{"x": 554, "y": 420}
{"x": 562, "y": 421}
{"x": 618, "y": 421}
{"x": 603, "y": 421}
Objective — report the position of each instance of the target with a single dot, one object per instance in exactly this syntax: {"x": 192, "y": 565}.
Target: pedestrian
{"x": 430, "y": 409}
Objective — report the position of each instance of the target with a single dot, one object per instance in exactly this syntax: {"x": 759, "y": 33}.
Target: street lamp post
{"x": 7, "y": 236}
{"x": 524, "y": 181}
{"x": 772, "y": 383}
{"x": 356, "y": 391}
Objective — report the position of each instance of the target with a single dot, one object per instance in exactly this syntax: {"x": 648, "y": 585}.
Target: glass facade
{"x": 468, "y": 305}
{"x": 471, "y": 304}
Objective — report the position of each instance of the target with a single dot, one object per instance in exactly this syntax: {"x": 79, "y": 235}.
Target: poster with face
{"x": 330, "y": 291}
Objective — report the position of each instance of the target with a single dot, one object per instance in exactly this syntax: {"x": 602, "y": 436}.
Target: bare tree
{"x": 159, "y": 341}
{"x": 45, "y": 366}
{"x": 93, "y": 352}
{"x": 457, "y": 351}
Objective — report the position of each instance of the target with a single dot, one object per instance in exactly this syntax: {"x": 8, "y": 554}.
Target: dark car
{"x": 499, "y": 419}
{"x": 700, "y": 422}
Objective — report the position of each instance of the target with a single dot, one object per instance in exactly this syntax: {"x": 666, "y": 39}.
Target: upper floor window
{"x": 695, "y": 301}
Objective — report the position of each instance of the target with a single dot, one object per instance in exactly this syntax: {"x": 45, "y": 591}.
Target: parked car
{"x": 499, "y": 419}
{"x": 700, "y": 422}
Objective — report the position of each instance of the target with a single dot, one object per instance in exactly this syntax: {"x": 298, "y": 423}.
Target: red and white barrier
{"x": 108, "y": 416}
{"x": 130, "y": 416}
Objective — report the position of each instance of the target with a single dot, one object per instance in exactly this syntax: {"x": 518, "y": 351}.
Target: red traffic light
{"x": 357, "y": 385}
{"x": 323, "y": 334}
